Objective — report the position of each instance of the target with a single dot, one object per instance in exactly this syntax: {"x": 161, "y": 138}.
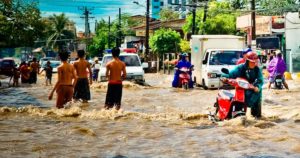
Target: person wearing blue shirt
{"x": 182, "y": 63}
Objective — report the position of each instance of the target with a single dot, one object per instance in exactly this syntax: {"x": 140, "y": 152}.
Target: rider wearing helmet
{"x": 251, "y": 72}
{"x": 276, "y": 67}
{"x": 243, "y": 60}
{"x": 183, "y": 62}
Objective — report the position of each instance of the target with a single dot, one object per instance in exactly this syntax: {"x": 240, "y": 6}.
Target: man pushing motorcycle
{"x": 251, "y": 72}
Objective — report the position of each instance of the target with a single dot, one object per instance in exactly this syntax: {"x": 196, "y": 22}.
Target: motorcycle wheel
{"x": 185, "y": 86}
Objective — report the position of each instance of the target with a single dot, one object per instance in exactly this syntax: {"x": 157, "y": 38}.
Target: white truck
{"x": 211, "y": 53}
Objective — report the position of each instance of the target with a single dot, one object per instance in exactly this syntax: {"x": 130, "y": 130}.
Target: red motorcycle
{"x": 184, "y": 77}
{"x": 231, "y": 105}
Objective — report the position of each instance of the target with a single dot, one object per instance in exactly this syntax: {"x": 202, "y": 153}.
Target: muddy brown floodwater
{"x": 155, "y": 121}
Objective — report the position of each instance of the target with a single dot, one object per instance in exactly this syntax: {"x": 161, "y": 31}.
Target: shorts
{"x": 64, "y": 95}
{"x": 113, "y": 95}
{"x": 82, "y": 89}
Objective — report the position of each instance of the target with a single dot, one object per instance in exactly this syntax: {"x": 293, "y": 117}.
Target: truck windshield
{"x": 129, "y": 60}
{"x": 224, "y": 57}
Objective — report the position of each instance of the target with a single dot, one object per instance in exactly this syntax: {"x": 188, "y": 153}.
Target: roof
{"x": 174, "y": 24}
{"x": 217, "y": 36}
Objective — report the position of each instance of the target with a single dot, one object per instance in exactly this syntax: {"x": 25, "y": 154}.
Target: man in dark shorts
{"x": 82, "y": 87}
{"x": 115, "y": 72}
{"x": 49, "y": 70}
{"x": 65, "y": 82}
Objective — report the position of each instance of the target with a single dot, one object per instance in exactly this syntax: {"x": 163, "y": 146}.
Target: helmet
{"x": 247, "y": 50}
{"x": 184, "y": 54}
{"x": 252, "y": 56}
{"x": 277, "y": 52}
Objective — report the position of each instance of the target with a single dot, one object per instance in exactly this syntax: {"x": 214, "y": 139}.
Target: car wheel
{"x": 203, "y": 84}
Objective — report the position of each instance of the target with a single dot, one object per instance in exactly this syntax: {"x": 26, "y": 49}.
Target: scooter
{"x": 230, "y": 105}
{"x": 185, "y": 77}
{"x": 278, "y": 83}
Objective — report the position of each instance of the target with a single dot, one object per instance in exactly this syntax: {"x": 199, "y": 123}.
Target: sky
{"x": 99, "y": 9}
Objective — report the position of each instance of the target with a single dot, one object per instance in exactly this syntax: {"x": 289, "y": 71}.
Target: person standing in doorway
{"x": 115, "y": 72}
{"x": 82, "y": 88}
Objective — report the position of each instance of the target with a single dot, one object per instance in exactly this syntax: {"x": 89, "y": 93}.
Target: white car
{"x": 134, "y": 68}
{"x": 54, "y": 64}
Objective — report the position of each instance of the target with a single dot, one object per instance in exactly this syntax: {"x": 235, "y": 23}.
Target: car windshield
{"x": 53, "y": 64}
{"x": 129, "y": 60}
{"x": 224, "y": 57}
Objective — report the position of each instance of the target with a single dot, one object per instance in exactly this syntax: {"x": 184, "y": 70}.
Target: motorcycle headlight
{"x": 244, "y": 85}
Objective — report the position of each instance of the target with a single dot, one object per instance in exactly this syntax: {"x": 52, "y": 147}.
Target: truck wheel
{"x": 203, "y": 85}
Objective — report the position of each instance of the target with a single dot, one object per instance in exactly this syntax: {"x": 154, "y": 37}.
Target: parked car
{"x": 6, "y": 66}
{"x": 54, "y": 64}
{"x": 134, "y": 68}
{"x": 45, "y": 59}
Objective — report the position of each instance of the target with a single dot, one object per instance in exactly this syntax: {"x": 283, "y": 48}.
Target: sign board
{"x": 263, "y": 23}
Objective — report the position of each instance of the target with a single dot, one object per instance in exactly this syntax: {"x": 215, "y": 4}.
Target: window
{"x": 130, "y": 60}
{"x": 161, "y": 3}
{"x": 156, "y": 0}
{"x": 156, "y": 7}
{"x": 224, "y": 57}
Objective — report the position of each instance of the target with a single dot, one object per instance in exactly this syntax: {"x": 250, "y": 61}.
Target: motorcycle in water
{"x": 231, "y": 105}
{"x": 185, "y": 77}
{"x": 278, "y": 82}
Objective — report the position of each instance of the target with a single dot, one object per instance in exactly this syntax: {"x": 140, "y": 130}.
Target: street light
{"x": 147, "y": 28}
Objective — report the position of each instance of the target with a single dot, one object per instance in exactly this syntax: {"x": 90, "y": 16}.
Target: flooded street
{"x": 155, "y": 121}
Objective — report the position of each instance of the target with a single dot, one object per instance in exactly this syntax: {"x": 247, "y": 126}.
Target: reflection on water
{"x": 155, "y": 121}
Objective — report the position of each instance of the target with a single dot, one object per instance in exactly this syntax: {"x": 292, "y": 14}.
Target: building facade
{"x": 158, "y": 5}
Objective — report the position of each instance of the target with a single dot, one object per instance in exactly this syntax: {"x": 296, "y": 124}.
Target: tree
{"x": 58, "y": 31}
{"x": 277, "y": 7}
{"x": 165, "y": 41}
{"x": 219, "y": 19}
{"x": 185, "y": 46}
{"x": 168, "y": 14}
{"x": 20, "y": 23}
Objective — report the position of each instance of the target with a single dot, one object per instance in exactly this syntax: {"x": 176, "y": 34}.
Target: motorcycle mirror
{"x": 225, "y": 71}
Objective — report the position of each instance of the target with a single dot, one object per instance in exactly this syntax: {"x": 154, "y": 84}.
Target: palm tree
{"x": 58, "y": 31}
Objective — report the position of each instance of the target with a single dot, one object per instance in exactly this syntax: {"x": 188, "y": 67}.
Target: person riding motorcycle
{"x": 183, "y": 62}
{"x": 252, "y": 73}
{"x": 276, "y": 67}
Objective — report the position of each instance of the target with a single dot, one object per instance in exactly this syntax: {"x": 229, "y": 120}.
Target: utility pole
{"x": 147, "y": 31}
{"x": 86, "y": 13}
{"x": 96, "y": 26}
{"x": 253, "y": 29}
{"x": 194, "y": 8}
{"x": 108, "y": 40}
{"x": 119, "y": 30}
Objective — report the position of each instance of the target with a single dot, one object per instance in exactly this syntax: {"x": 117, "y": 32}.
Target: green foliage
{"x": 100, "y": 41}
{"x": 277, "y": 7}
{"x": 168, "y": 14}
{"x": 218, "y": 21}
{"x": 57, "y": 31}
{"x": 165, "y": 41}
{"x": 185, "y": 46}
{"x": 20, "y": 23}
